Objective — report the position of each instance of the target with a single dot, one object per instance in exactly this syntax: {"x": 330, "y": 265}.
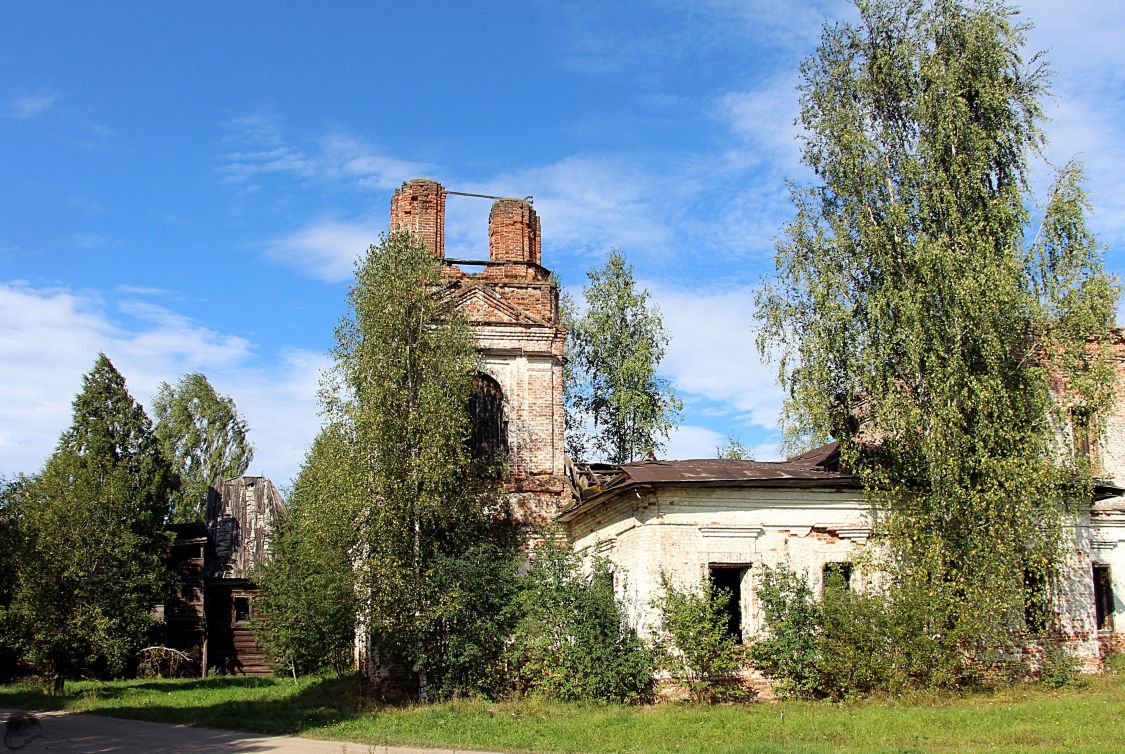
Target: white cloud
{"x": 688, "y": 441}
{"x": 765, "y": 118}
{"x": 712, "y": 354}
{"x": 326, "y": 249}
{"x": 347, "y": 156}
{"x": 50, "y": 337}
{"x": 30, "y": 106}
{"x": 258, "y": 148}
{"x": 587, "y": 204}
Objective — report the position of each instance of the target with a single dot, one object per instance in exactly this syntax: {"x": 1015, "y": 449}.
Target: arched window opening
{"x": 489, "y": 439}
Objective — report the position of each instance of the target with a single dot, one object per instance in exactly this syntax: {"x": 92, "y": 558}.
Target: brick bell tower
{"x": 512, "y": 304}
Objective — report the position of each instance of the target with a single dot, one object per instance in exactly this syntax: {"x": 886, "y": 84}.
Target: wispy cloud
{"x": 349, "y": 157}
{"x": 86, "y": 241}
{"x": 1082, "y": 42}
{"x": 325, "y": 249}
{"x": 763, "y": 118}
{"x": 259, "y": 147}
{"x": 689, "y": 441}
{"x": 588, "y": 203}
{"x": 30, "y": 106}
{"x": 143, "y": 290}
{"x": 50, "y": 337}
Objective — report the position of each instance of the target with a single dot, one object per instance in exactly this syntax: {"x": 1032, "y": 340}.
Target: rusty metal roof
{"x": 698, "y": 470}
{"x": 806, "y": 470}
{"x": 824, "y": 455}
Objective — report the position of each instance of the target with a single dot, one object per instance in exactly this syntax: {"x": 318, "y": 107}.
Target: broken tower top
{"x": 513, "y": 225}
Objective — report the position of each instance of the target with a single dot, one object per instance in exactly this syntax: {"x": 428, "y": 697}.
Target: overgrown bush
{"x": 852, "y": 644}
{"x": 788, "y": 650}
{"x": 855, "y": 655}
{"x": 473, "y": 594}
{"x": 693, "y": 641}
{"x": 1057, "y": 666}
{"x": 573, "y": 640}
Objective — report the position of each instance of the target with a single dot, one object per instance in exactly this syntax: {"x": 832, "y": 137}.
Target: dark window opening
{"x": 838, "y": 575}
{"x": 1035, "y": 603}
{"x": 489, "y": 438}
{"x": 727, "y": 581}
{"x": 1082, "y": 429}
{"x": 1103, "y": 598}
{"x": 241, "y": 609}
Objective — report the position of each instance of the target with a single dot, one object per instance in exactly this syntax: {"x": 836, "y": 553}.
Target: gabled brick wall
{"x": 512, "y": 303}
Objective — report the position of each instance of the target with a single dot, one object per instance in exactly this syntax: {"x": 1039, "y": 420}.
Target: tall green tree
{"x": 305, "y": 614}
{"x": 203, "y": 435}
{"x": 92, "y": 549}
{"x": 921, "y": 317}
{"x": 617, "y": 345}
{"x": 10, "y": 491}
{"x": 430, "y": 539}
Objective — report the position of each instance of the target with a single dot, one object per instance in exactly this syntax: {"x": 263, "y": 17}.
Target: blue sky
{"x": 185, "y": 186}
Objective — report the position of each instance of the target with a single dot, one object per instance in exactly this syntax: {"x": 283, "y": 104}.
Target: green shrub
{"x": 694, "y": 643}
{"x": 1057, "y": 666}
{"x": 853, "y": 644}
{"x": 573, "y": 640}
{"x": 792, "y": 622}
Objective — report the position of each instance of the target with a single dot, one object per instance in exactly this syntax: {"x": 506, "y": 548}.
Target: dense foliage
{"x": 922, "y": 319}
{"x": 10, "y": 490}
{"x": 203, "y": 435}
{"x": 791, "y": 621}
{"x": 853, "y": 643}
{"x": 573, "y": 640}
{"x": 432, "y": 534}
{"x": 90, "y": 560}
{"x": 694, "y": 641}
{"x": 616, "y": 346}
{"x": 305, "y": 614}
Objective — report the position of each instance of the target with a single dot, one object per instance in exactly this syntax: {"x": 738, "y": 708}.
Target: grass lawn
{"x": 1026, "y": 719}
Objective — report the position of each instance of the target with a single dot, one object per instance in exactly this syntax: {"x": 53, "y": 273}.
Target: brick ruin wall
{"x": 512, "y": 305}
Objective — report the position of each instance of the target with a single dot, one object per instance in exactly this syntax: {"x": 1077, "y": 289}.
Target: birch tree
{"x": 432, "y": 551}
{"x": 204, "y": 436}
{"x": 617, "y": 345}
{"x": 923, "y": 307}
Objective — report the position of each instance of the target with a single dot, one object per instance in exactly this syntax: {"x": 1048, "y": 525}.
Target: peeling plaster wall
{"x": 682, "y": 531}
{"x": 1105, "y": 546}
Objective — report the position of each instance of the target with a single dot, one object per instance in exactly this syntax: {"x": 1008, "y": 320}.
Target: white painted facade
{"x": 684, "y": 532}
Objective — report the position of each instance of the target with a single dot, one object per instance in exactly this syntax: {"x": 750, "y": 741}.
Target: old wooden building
{"x": 208, "y": 615}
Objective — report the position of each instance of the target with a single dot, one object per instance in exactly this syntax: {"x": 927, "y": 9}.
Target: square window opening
{"x": 241, "y": 609}
{"x": 838, "y": 575}
{"x": 727, "y": 581}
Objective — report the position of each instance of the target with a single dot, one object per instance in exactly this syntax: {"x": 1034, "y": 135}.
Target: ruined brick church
{"x": 685, "y": 519}
{"x": 703, "y": 518}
